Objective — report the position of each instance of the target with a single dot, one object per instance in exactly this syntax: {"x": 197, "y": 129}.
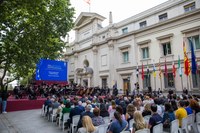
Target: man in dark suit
{"x": 87, "y": 112}
{"x": 74, "y": 111}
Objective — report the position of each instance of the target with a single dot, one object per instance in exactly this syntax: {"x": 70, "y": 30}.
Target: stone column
{"x": 76, "y": 66}
{"x": 111, "y": 63}
{"x": 95, "y": 66}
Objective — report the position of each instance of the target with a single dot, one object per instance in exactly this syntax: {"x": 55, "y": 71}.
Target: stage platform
{"x": 24, "y": 104}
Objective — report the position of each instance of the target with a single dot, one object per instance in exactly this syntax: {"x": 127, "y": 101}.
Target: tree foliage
{"x": 30, "y": 30}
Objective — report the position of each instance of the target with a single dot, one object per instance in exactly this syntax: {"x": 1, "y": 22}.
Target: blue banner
{"x": 51, "y": 70}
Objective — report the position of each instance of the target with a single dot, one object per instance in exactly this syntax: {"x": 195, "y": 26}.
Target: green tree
{"x": 30, "y": 30}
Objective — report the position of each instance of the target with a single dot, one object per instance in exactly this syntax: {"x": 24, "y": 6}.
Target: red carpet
{"x": 24, "y": 104}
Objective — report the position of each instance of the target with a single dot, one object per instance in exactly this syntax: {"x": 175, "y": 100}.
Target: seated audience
{"x": 139, "y": 122}
{"x": 87, "y": 112}
{"x": 97, "y": 120}
{"x": 155, "y": 119}
{"x": 74, "y": 111}
{"x": 181, "y": 112}
{"x": 188, "y": 108}
{"x": 195, "y": 106}
{"x": 118, "y": 125}
{"x": 147, "y": 110}
{"x": 88, "y": 127}
{"x": 168, "y": 116}
{"x": 129, "y": 112}
{"x": 120, "y": 110}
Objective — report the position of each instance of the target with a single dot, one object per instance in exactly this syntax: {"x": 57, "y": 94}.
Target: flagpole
{"x": 190, "y": 84}
{"x": 187, "y": 83}
{"x": 160, "y": 83}
{"x": 182, "y": 82}
{"x": 155, "y": 83}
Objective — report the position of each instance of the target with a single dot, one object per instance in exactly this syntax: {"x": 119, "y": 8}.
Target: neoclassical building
{"x": 107, "y": 56}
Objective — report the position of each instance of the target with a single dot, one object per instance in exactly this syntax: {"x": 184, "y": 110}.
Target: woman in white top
{"x": 88, "y": 127}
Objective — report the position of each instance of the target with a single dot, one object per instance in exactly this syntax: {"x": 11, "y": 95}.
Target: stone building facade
{"x": 108, "y": 56}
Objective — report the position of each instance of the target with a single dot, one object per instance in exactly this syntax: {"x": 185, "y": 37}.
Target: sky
{"x": 121, "y": 9}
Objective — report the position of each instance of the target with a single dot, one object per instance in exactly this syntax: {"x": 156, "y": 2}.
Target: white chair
{"x": 125, "y": 132}
{"x": 184, "y": 126}
{"x": 49, "y": 113}
{"x": 198, "y": 121}
{"x": 158, "y": 128}
{"x": 74, "y": 124}
{"x": 143, "y": 131}
{"x": 111, "y": 115}
{"x": 107, "y": 120}
{"x": 131, "y": 122}
{"x": 102, "y": 128}
{"x": 191, "y": 123}
{"x": 198, "y": 117}
{"x": 58, "y": 120}
{"x": 65, "y": 118}
{"x": 174, "y": 128}
{"x": 146, "y": 118}
{"x": 42, "y": 111}
{"x": 53, "y": 115}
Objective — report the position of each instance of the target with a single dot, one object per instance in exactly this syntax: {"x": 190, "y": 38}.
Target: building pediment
{"x": 86, "y": 18}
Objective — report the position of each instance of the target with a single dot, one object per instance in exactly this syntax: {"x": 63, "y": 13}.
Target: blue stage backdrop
{"x": 51, "y": 70}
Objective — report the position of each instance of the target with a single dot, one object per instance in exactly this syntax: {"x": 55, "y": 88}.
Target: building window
{"x": 145, "y": 53}
{"x": 169, "y": 81}
{"x": 166, "y": 48}
{"x": 162, "y": 17}
{"x": 196, "y": 41}
{"x": 146, "y": 81}
{"x": 104, "y": 82}
{"x": 103, "y": 60}
{"x": 125, "y": 57}
{"x": 124, "y": 30}
{"x": 189, "y": 7}
{"x": 143, "y": 24}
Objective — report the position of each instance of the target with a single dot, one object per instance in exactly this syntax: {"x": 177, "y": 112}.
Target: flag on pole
{"x": 142, "y": 72}
{"x": 186, "y": 61}
{"x": 159, "y": 69}
{"x": 154, "y": 70}
{"x": 174, "y": 70}
{"x": 179, "y": 66}
{"x": 137, "y": 71}
{"x": 148, "y": 73}
{"x": 193, "y": 58}
{"x": 88, "y": 1}
{"x": 165, "y": 68}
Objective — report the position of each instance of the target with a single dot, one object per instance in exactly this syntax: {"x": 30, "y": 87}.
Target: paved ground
{"x": 26, "y": 122}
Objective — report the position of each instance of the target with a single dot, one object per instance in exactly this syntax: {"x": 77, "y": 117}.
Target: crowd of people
{"x": 122, "y": 109}
{"x": 44, "y": 90}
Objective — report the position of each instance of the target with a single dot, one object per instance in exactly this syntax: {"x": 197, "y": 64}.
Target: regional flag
{"x": 179, "y": 66}
{"x": 174, "y": 70}
{"x": 154, "y": 70}
{"x": 159, "y": 69}
{"x": 166, "y": 73}
{"x": 186, "y": 61}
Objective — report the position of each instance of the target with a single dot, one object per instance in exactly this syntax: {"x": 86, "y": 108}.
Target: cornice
{"x": 144, "y": 42}
{"x": 191, "y": 29}
{"x": 165, "y": 36}
{"x": 132, "y": 20}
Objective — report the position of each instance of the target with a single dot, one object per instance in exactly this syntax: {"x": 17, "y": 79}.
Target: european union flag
{"x": 193, "y": 58}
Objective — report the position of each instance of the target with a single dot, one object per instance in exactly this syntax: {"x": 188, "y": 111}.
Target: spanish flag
{"x": 186, "y": 61}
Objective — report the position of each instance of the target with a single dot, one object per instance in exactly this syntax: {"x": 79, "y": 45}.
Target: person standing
{"x": 4, "y": 96}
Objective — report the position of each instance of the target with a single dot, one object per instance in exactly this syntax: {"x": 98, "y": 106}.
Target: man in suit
{"x": 87, "y": 112}
{"x": 74, "y": 111}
